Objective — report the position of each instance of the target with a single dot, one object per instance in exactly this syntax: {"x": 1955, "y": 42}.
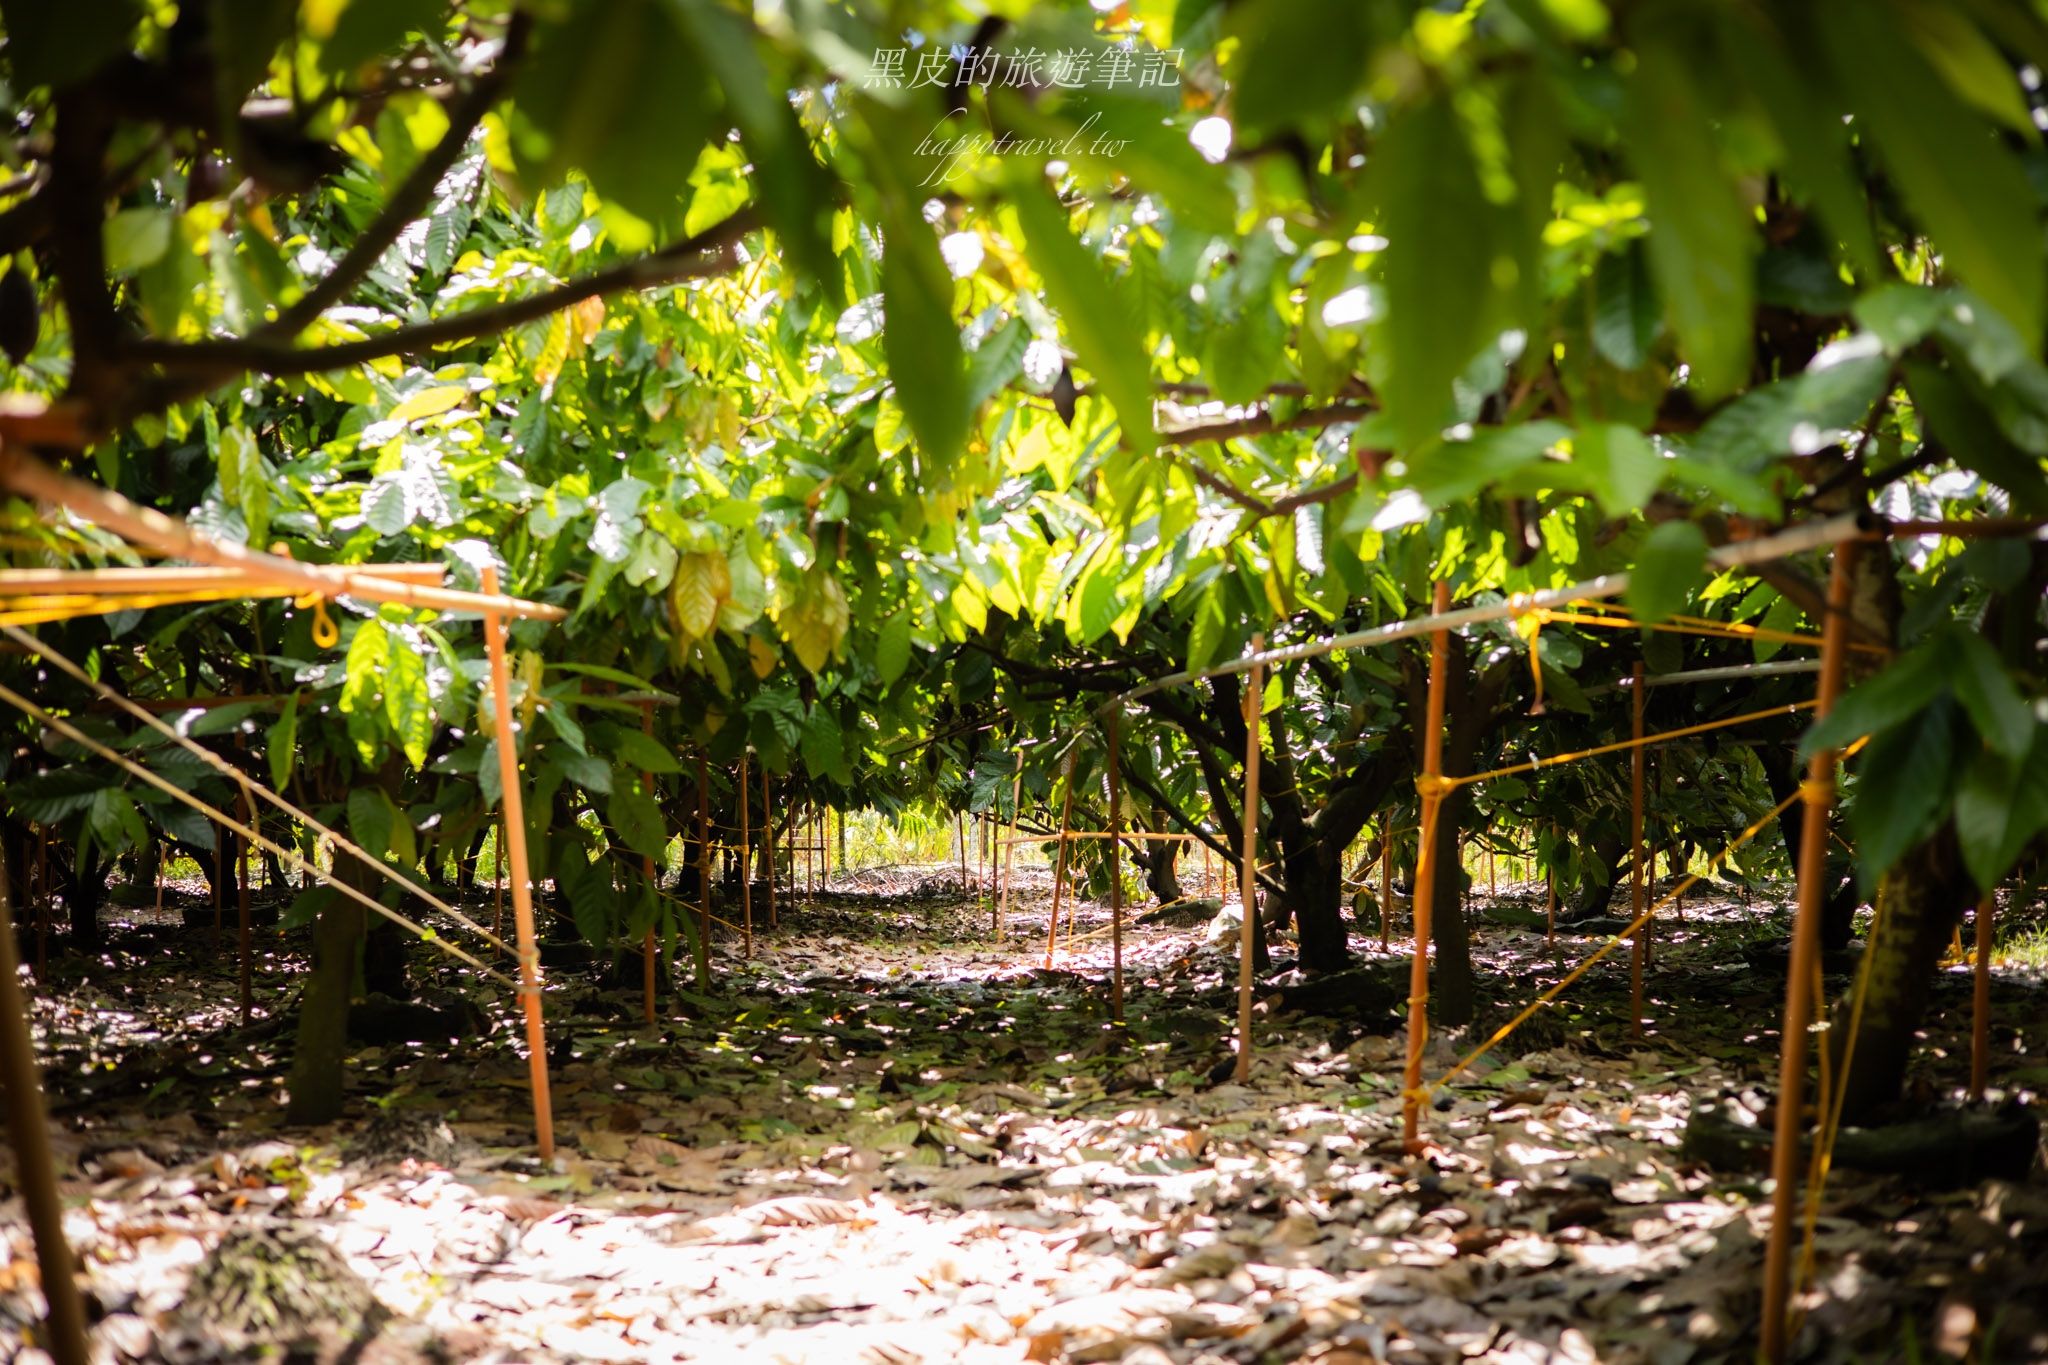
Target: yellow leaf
{"x": 427, "y": 402}
{"x": 529, "y": 675}
{"x": 589, "y": 317}
{"x": 554, "y": 352}
{"x": 762, "y": 655}
{"x": 702, "y": 581}
{"x": 816, "y": 623}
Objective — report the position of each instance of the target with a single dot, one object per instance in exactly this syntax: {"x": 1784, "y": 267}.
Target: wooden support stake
{"x": 28, "y": 1130}
{"x": 1425, "y": 876}
{"x": 1009, "y": 850}
{"x": 746, "y": 871}
{"x": 647, "y": 968}
{"x": 1059, "y": 876}
{"x": 1248, "y": 880}
{"x": 1116, "y": 884}
{"x": 514, "y": 827}
{"x": 1550, "y": 897}
{"x": 1980, "y": 1004}
{"x": 1641, "y": 951}
{"x": 248, "y": 817}
{"x": 1386, "y": 885}
{"x": 703, "y": 874}
{"x": 1818, "y": 793}
{"x": 768, "y": 843}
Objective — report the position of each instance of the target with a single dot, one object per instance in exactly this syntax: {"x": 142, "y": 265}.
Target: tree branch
{"x": 410, "y": 199}
{"x": 1164, "y": 802}
{"x": 707, "y": 253}
{"x": 1310, "y": 420}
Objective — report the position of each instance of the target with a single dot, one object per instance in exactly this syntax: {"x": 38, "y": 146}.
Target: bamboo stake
{"x": 28, "y": 1130}
{"x": 1425, "y": 875}
{"x": 768, "y": 843}
{"x": 1059, "y": 876}
{"x": 1818, "y": 792}
{"x": 1247, "y": 892}
{"x": 1980, "y": 1004}
{"x": 42, "y": 904}
{"x": 1009, "y": 851}
{"x": 1116, "y": 884}
{"x": 746, "y": 872}
{"x": 1640, "y": 954}
{"x": 647, "y": 969}
{"x": 960, "y": 833}
{"x": 1386, "y": 885}
{"x": 512, "y": 804}
{"x": 1550, "y": 898}
{"x": 498, "y": 884}
{"x": 703, "y": 874}
{"x": 247, "y": 811}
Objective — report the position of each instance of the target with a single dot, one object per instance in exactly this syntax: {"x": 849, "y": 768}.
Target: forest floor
{"x": 889, "y": 1137}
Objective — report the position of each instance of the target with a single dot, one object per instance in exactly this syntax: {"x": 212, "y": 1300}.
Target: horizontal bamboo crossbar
{"x": 1086, "y": 834}
{"x": 190, "y": 578}
{"x": 175, "y": 538}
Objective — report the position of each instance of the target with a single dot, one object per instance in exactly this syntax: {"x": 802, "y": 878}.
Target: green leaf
{"x": 55, "y": 44}
{"x": 922, "y": 341}
{"x": 408, "y": 704}
{"x": 2001, "y": 805}
{"x": 1298, "y": 60}
{"x": 996, "y": 361}
{"x": 617, "y": 91}
{"x": 1982, "y": 685}
{"x": 1666, "y": 571}
{"x": 565, "y": 725}
{"x": 1816, "y": 146}
{"x": 1090, "y": 314}
{"x": 795, "y": 190}
{"x": 823, "y": 747}
{"x": 892, "y": 647}
{"x": 1886, "y": 700}
{"x": 1700, "y": 236}
{"x": 1205, "y": 631}
{"x": 369, "y": 652}
{"x": 371, "y": 818}
{"x": 1438, "y": 264}
{"x": 638, "y": 820}
{"x": 134, "y": 239}
{"x": 1625, "y": 307}
{"x": 1970, "y": 435}
{"x": 645, "y": 752}
{"x": 1618, "y": 465}
{"x": 282, "y": 744}
{"x": 1957, "y": 177}
{"x": 1904, "y": 781}
{"x": 370, "y": 28}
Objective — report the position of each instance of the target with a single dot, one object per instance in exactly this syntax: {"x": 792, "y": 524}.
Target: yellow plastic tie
{"x": 1432, "y": 786}
{"x": 1816, "y": 793}
{"x": 325, "y": 633}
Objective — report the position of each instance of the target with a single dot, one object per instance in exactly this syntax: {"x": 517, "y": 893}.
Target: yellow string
{"x": 1615, "y": 941}
{"x": 1594, "y": 614}
{"x": 1445, "y": 784}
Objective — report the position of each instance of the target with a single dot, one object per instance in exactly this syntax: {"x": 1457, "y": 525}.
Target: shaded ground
{"x": 890, "y": 1137}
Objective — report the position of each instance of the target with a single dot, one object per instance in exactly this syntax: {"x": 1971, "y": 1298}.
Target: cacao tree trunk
{"x": 317, "y": 1076}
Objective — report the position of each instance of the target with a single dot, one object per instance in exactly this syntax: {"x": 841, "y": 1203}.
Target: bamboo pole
{"x": 180, "y": 579}
{"x": 1818, "y": 792}
{"x": 498, "y": 884}
{"x": 1059, "y": 876}
{"x": 175, "y": 538}
{"x": 28, "y": 1130}
{"x": 1425, "y": 875}
{"x": 512, "y": 804}
{"x": 647, "y": 968}
{"x": 1116, "y": 884}
{"x": 247, "y": 812}
{"x": 703, "y": 874}
{"x": 1247, "y": 892}
{"x": 1550, "y": 896}
{"x": 1640, "y": 953}
{"x": 1980, "y": 1003}
{"x": 768, "y": 843}
{"x": 1009, "y": 850}
{"x": 746, "y": 872}
{"x": 1386, "y": 885}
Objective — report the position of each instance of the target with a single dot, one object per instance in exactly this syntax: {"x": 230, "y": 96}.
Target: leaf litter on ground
{"x": 889, "y": 1137}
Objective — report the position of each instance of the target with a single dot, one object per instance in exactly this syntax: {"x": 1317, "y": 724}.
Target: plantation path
{"x": 889, "y": 1139}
